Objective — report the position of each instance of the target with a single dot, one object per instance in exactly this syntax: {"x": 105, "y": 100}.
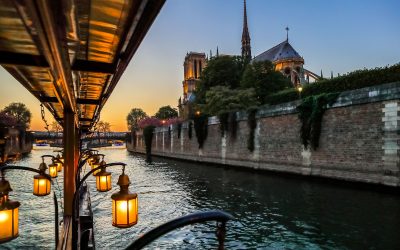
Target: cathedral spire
{"x": 246, "y": 48}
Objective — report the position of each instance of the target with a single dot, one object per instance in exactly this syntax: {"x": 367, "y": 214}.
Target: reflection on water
{"x": 271, "y": 212}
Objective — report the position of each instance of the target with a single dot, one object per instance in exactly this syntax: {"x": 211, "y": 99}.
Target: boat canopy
{"x": 70, "y": 54}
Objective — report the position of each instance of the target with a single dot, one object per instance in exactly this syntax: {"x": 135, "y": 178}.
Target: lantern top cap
{"x": 40, "y": 176}
{"x": 123, "y": 180}
{"x": 42, "y": 167}
{"x": 102, "y": 172}
{"x": 5, "y": 186}
{"x": 9, "y": 205}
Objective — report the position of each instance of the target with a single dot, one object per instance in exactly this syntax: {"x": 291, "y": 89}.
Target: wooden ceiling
{"x": 70, "y": 54}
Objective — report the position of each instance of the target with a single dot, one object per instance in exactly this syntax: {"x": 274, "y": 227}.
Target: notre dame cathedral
{"x": 284, "y": 57}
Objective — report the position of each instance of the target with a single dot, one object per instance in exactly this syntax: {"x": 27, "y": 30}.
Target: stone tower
{"x": 246, "y": 48}
{"x": 192, "y": 68}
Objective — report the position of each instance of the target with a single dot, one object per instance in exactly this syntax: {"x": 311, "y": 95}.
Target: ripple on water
{"x": 270, "y": 212}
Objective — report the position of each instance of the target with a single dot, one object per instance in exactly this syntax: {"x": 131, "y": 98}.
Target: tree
{"x": 7, "y": 120}
{"x": 20, "y": 112}
{"x": 103, "y": 127}
{"x": 264, "y": 79}
{"x": 220, "y": 71}
{"x": 166, "y": 112}
{"x": 221, "y": 99}
{"x": 56, "y": 127}
{"x": 134, "y": 117}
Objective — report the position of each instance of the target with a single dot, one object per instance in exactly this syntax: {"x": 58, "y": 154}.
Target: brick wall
{"x": 360, "y": 140}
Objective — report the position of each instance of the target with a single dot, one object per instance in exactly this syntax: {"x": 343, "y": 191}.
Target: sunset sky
{"x": 337, "y": 35}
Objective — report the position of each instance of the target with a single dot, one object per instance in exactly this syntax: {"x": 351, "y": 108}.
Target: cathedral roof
{"x": 281, "y": 51}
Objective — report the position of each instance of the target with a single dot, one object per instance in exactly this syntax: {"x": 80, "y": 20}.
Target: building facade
{"x": 192, "y": 68}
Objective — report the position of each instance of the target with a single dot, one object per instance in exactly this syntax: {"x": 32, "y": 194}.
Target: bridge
{"x": 44, "y": 135}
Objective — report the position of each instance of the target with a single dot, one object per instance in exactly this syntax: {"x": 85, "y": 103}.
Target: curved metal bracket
{"x": 13, "y": 167}
{"x": 190, "y": 219}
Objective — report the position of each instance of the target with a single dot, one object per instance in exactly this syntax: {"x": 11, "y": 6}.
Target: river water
{"x": 271, "y": 211}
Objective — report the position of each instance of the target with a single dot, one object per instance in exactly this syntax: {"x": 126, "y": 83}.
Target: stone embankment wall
{"x": 14, "y": 142}
{"x": 360, "y": 140}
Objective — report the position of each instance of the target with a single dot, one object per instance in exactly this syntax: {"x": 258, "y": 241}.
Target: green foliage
{"x": 133, "y": 118}
{"x": 354, "y": 80}
{"x": 148, "y": 139}
{"x": 201, "y": 128}
{"x": 220, "y": 71}
{"x": 252, "y": 123}
{"x": 311, "y": 111}
{"x": 262, "y": 77}
{"x": 190, "y": 130}
{"x": 221, "y": 99}
{"x": 166, "y": 112}
{"x": 20, "y": 112}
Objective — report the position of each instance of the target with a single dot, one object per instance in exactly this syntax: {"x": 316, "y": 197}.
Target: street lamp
{"x": 103, "y": 180}
{"x": 9, "y": 209}
{"x": 41, "y": 184}
{"x": 124, "y": 204}
{"x": 53, "y": 170}
{"x": 300, "y": 89}
{"x": 8, "y": 213}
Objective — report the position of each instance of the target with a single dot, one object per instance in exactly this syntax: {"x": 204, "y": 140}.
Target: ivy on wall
{"x": 179, "y": 125}
{"x": 228, "y": 123}
{"x": 201, "y": 128}
{"x": 252, "y": 123}
{"x": 148, "y": 139}
{"x": 311, "y": 111}
{"x": 190, "y": 129}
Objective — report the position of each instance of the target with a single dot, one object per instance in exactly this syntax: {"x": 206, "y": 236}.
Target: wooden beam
{"x": 85, "y": 119}
{"x": 48, "y": 99}
{"x": 20, "y": 59}
{"x": 92, "y": 66}
{"x": 88, "y": 101}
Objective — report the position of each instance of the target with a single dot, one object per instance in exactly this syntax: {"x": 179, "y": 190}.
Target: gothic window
{"x": 195, "y": 69}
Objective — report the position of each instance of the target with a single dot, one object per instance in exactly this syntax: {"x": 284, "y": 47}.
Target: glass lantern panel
{"x": 6, "y": 224}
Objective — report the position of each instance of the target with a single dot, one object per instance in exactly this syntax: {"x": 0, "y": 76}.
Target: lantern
{"x": 60, "y": 158}
{"x": 8, "y": 213}
{"x": 95, "y": 165}
{"x": 53, "y": 170}
{"x": 103, "y": 181}
{"x": 41, "y": 185}
{"x": 124, "y": 205}
{"x": 59, "y": 165}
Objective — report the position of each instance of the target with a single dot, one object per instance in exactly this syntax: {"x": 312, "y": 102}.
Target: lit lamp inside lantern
{"x": 59, "y": 165}
{"x": 53, "y": 170}
{"x": 8, "y": 213}
{"x": 103, "y": 180}
{"x": 41, "y": 185}
{"x": 124, "y": 205}
{"x": 60, "y": 158}
{"x": 95, "y": 165}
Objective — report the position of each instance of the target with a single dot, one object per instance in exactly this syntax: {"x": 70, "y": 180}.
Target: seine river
{"x": 271, "y": 211}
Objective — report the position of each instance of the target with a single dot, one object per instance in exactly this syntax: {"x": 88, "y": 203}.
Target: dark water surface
{"x": 272, "y": 212}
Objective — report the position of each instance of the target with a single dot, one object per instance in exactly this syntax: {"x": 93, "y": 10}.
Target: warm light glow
{"x": 103, "y": 181}
{"x": 41, "y": 185}
{"x": 299, "y": 89}
{"x": 197, "y": 112}
{"x": 59, "y": 166}
{"x": 3, "y": 216}
{"x": 125, "y": 212}
{"x": 122, "y": 207}
{"x": 8, "y": 224}
{"x": 52, "y": 171}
